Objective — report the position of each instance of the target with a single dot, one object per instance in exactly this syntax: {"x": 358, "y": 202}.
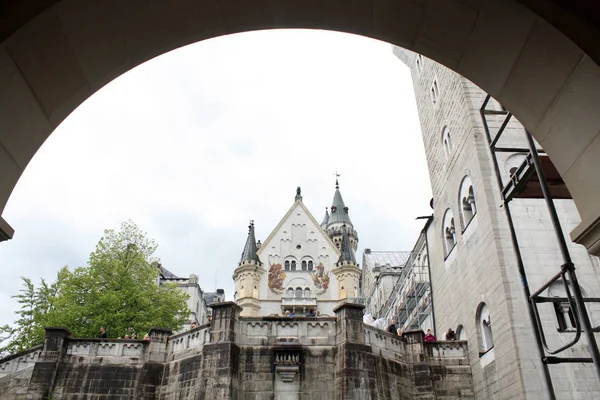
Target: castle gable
{"x": 298, "y": 255}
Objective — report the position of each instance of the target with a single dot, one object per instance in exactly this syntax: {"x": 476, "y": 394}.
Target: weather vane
{"x": 337, "y": 184}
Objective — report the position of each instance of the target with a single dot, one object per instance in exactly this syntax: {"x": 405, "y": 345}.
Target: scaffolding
{"x": 410, "y": 300}
{"x": 536, "y": 177}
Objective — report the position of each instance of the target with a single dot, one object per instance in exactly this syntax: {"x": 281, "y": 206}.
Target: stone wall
{"x": 244, "y": 358}
{"x": 482, "y": 266}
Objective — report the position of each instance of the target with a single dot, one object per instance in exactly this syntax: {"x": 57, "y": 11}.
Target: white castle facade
{"x": 470, "y": 257}
{"x": 302, "y": 266}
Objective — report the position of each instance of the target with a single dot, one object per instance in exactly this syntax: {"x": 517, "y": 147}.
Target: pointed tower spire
{"x": 325, "y": 219}
{"x": 339, "y": 211}
{"x": 249, "y": 253}
{"x": 346, "y": 249}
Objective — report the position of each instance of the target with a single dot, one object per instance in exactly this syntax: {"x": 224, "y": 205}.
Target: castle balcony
{"x": 293, "y": 301}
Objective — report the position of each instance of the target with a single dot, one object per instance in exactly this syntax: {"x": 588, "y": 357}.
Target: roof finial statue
{"x": 337, "y": 183}
{"x": 298, "y": 194}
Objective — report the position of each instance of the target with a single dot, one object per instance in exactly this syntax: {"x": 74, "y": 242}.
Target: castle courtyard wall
{"x": 245, "y": 359}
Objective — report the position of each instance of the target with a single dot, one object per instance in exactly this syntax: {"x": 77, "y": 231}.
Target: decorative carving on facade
{"x": 287, "y": 358}
{"x": 320, "y": 279}
{"x": 276, "y": 278}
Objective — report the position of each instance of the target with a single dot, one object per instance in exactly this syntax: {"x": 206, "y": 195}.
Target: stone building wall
{"x": 247, "y": 358}
{"x": 482, "y": 266}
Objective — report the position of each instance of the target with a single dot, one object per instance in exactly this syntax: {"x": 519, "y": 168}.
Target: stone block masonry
{"x": 244, "y": 358}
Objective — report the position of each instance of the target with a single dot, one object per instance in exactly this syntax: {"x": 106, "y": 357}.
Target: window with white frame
{"x": 447, "y": 142}
{"x": 449, "y": 232}
{"x": 466, "y": 200}
{"x": 484, "y": 329}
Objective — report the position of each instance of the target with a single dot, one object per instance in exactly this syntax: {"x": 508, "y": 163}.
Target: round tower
{"x": 338, "y": 222}
{"x": 247, "y": 277}
{"x": 347, "y": 270}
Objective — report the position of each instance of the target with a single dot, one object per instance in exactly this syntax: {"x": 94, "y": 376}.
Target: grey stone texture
{"x": 482, "y": 266}
{"x": 246, "y": 358}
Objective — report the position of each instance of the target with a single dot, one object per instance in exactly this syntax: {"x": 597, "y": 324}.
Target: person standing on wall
{"x": 393, "y": 328}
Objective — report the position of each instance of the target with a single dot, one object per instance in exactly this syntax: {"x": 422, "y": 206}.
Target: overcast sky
{"x": 195, "y": 143}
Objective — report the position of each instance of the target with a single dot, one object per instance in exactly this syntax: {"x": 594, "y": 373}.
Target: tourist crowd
{"x": 392, "y": 328}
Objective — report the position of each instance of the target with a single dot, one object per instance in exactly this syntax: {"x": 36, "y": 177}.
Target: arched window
{"x": 435, "y": 92}
{"x": 293, "y": 267}
{"x": 466, "y": 200}
{"x": 290, "y": 292}
{"x": 512, "y": 164}
{"x": 447, "y": 142}
{"x": 299, "y": 292}
{"x": 419, "y": 63}
{"x": 304, "y": 265}
{"x": 310, "y": 265}
{"x": 287, "y": 265}
{"x": 306, "y": 292}
{"x": 461, "y": 333}
{"x": 449, "y": 232}
{"x": 484, "y": 327}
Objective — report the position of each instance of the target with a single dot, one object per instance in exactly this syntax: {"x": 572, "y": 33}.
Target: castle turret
{"x": 347, "y": 270}
{"x": 247, "y": 276}
{"x": 325, "y": 219}
{"x": 338, "y": 221}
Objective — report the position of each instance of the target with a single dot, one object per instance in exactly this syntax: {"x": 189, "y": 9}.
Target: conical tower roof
{"x": 325, "y": 219}
{"x": 249, "y": 253}
{"x": 346, "y": 249}
{"x": 339, "y": 211}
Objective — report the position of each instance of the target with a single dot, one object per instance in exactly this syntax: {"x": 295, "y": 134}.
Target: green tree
{"x": 118, "y": 290}
{"x": 36, "y": 305}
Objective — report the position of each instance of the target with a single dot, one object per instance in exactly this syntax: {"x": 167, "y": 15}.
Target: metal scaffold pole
{"x": 515, "y": 243}
{"x": 568, "y": 267}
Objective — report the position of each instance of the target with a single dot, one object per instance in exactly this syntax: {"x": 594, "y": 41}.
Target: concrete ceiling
{"x": 577, "y": 19}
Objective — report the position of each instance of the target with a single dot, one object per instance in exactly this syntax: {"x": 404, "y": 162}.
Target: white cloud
{"x": 193, "y": 144}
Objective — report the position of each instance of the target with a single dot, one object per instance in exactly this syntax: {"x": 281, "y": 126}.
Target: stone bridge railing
{"x": 268, "y": 331}
{"x": 111, "y": 351}
{"x": 447, "y": 350}
{"x": 384, "y": 344}
{"x": 20, "y": 361}
{"x": 412, "y": 346}
{"x": 188, "y": 343}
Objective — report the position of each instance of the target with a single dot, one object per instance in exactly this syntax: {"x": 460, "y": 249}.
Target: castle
{"x": 302, "y": 265}
{"x": 461, "y": 273}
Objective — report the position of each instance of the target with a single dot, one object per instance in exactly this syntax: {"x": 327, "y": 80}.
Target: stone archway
{"x": 540, "y": 62}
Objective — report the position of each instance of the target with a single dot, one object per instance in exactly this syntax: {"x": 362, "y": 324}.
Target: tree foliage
{"x": 118, "y": 290}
